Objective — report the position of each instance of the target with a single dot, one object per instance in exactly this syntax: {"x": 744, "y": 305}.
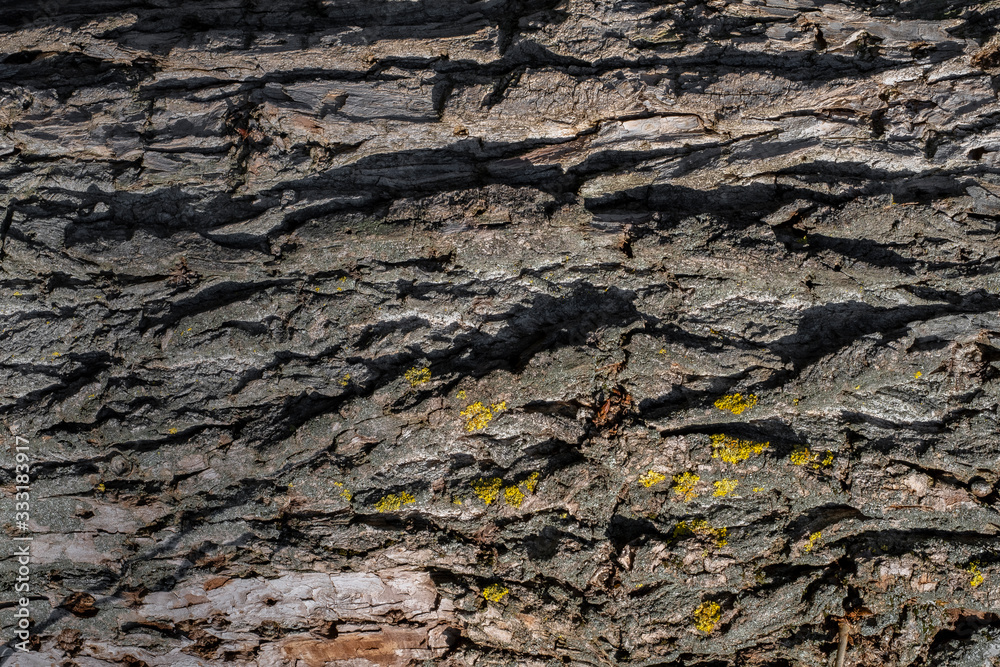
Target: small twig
{"x": 845, "y": 629}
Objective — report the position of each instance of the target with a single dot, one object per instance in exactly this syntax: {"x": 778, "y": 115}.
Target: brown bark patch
{"x": 216, "y": 582}
{"x": 389, "y": 646}
{"x": 68, "y": 641}
{"x": 80, "y": 604}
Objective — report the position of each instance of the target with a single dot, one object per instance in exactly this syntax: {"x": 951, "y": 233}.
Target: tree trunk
{"x": 510, "y": 332}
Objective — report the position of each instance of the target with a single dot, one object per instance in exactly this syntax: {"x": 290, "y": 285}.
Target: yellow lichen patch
{"x": 461, "y": 394}
{"x": 513, "y": 496}
{"x": 684, "y": 485}
{"x": 732, "y": 450}
{"x": 480, "y": 416}
{"x": 650, "y": 478}
{"x": 495, "y": 592}
{"x": 803, "y": 456}
{"x": 707, "y": 616}
{"x": 724, "y": 487}
{"x": 812, "y": 541}
{"x": 393, "y": 502}
{"x": 736, "y": 403}
{"x": 530, "y": 483}
{"x": 487, "y": 489}
{"x": 418, "y": 376}
{"x": 701, "y": 527}
{"x": 344, "y": 493}
{"x": 918, "y": 375}
{"x": 977, "y": 576}
{"x": 347, "y": 379}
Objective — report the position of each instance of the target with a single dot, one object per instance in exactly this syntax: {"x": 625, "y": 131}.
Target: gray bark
{"x": 386, "y": 333}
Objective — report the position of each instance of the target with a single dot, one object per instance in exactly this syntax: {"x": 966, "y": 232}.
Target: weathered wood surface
{"x": 236, "y": 233}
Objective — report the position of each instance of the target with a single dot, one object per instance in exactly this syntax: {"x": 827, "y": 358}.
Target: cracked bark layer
{"x": 235, "y": 233}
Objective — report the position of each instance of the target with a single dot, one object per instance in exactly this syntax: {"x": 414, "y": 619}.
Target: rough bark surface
{"x": 512, "y": 332}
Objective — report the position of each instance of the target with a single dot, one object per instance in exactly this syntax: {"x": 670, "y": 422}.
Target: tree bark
{"x": 511, "y": 332}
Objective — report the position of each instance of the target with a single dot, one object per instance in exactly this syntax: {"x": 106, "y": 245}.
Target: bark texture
{"x": 509, "y": 332}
